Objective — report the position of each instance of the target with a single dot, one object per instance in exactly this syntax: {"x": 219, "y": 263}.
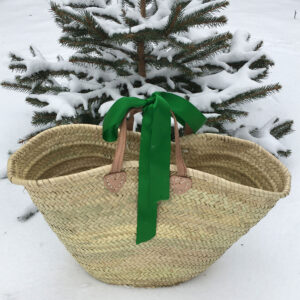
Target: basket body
{"x": 234, "y": 184}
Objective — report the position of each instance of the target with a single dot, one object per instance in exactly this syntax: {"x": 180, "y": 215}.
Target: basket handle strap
{"x": 121, "y": 144}
{"x": 117, "y": 163}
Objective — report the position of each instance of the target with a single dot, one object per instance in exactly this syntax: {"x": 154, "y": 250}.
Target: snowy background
{"x": 263, "y": 265}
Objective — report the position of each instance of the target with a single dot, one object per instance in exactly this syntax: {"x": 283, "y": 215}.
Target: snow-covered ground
{"x": 263, "y": 265}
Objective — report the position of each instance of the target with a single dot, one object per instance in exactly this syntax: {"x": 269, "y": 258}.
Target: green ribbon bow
{"x": 155, "y": 148}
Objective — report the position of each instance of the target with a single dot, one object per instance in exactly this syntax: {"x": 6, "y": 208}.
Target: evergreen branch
{"x": 30, "y": 86}
{"x": 86, "y": 20}
{"x": 145, "y": 35}
{"x": 87, "y": 44}
{"x": 28, "y": 214}
{"x": 98, "y": 61}
{"x": 33, "y": 51}
{"x": 76, "y": 43}
{"x": 42, "y": 89}
{"x": 90, "y": 49}
{"x": 233, "y": 112}
{"x": 129, "y": 3}
{"x": 101, "y": 63}
{"x": 16, "y": 86}
{"x": 93, "y": 26}
{"x": 202, "y": 55}
{"x": 258, "y": 45}
{"x": 15, "y": 57}
{"x": 219, "y": 119}
{"x": 130, "y": 53}
{"x": 215, "y": 7}
{"x": 252, "y": 94}
{"x": 176, "y": 12}
{"x": 181, "y": 81}
{"x": 284, "y": 153}
{"x": 129, "y": 21}
{"x": 209, "y": 22}
{"x": 75, "y": 31}
{"x": 191, "y": 47}
{"x": 209, "y": 68}
{"x": 36, "y": 102}
{"x": 203, "y": 16}
{"x": 282, "y": 129}
{"x": 47, "y": 118}
{"x": 165, "y": 63}
{"x": 237, "y": 64}
{"x": 82, "y": 5}
{"x": 191, "y": 86}
{"x": 43, "y": 118}
{"x": 63, "y": 16}
{"x": 262, "y": 62}
{"x": 45, "y": 74}
{"x": 106, "y": 17}
{"x": 19, "y": 67}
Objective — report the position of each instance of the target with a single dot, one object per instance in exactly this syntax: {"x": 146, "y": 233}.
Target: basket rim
{"x": 135, "y": 164}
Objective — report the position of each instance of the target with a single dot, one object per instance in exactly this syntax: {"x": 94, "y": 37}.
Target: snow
{"x": 262, "y": 265}
{"x": 63, "y": 103}
{"x": 264, "y": 138}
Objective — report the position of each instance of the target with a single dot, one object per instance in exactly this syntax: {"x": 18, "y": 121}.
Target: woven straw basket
{"x": 234, "y": 184}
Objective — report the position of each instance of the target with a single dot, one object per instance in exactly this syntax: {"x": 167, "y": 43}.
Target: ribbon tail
{"x": 154, "y": 176}
{"x": 146, "y": 207}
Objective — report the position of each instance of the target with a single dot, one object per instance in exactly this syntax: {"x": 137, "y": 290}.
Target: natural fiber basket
{"x": 234, "y": 184}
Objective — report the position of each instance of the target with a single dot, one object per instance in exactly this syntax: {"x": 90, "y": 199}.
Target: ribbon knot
{"x": 155, "y": 148}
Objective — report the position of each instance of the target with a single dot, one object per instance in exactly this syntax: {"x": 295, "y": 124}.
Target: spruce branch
{"x": 258, "y": 45}
{"x": 282, "y": 129}
{"x": 202, "y": 55}
{"x": 203, "y": 16}
{"x": 15, "y": 57}
{"x": 93, "y": 26}
{"x": 284, "y": 153}
{"x": 17, "y": 66}
{"x": 36, "y": 102}
{"x": 16, "y": 86}
{"x": 117, "y": 65}
{"x": 249, "y": 95}
{"x": 83, "y": 4}
{"x": 127, "y": 3}
{"x": 106, "y": 17}
{"x": 63, "y": 16}
{"x": 220, "y": 119}
{"x": 77, "y": 32}
{"x": 165, "y": 63}
{"x": 233, "y": 112}
{"x": 176, "y": 11}
{"x": 43, "y": 118}
{"x": 191, "y": 47}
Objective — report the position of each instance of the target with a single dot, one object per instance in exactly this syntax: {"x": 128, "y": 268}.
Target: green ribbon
{"x": 155, "y": 148}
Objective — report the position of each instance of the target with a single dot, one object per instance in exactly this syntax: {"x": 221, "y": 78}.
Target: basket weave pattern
{"x": 234, "y": 185}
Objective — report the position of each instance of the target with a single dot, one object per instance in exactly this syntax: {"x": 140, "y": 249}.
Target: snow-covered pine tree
{"x": 137, "y": 47}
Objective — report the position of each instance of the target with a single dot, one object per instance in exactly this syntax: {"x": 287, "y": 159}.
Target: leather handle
{"x": 181, "y": 167}
{"x": 116, "y": 178}
{"x": 121, "y": 144}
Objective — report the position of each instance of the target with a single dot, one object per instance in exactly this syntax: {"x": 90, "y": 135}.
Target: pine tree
{"x": 137, "y": 47}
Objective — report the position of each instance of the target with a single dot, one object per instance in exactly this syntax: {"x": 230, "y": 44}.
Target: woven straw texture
{"x": 234, "y": 184}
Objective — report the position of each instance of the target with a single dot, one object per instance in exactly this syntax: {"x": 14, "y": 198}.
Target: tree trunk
{"x": 141, "y": 45}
